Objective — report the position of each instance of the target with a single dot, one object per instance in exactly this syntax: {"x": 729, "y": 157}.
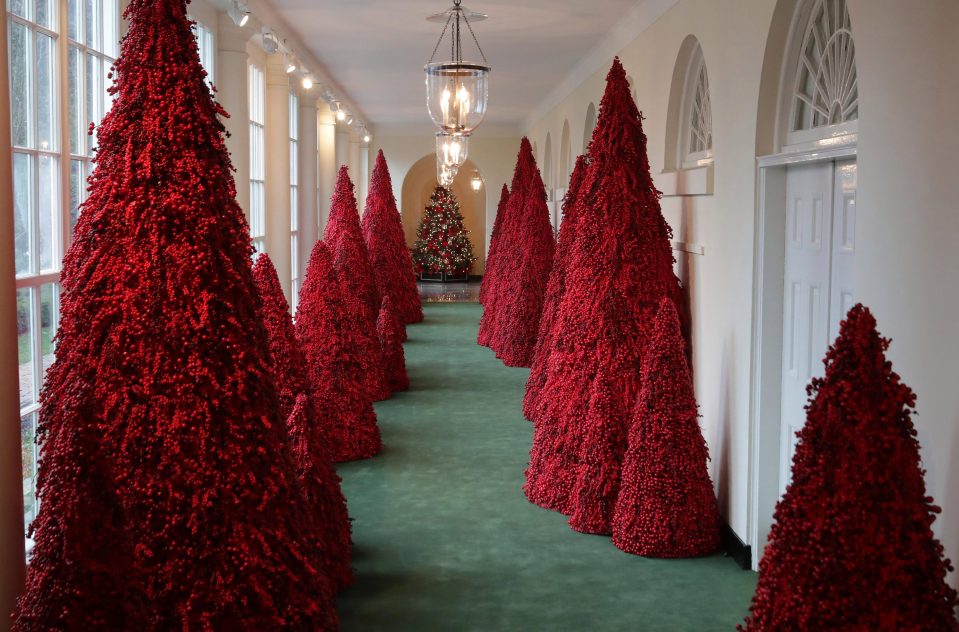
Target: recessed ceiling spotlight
{"x": 238, "y": 13}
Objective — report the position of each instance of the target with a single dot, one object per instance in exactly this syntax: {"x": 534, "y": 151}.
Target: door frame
{"x": 765, "y": 376}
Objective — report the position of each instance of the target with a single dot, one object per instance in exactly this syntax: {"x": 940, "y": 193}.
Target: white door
{"x": 819, "y": 281}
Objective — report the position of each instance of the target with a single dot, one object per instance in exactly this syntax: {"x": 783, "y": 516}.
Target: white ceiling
{"x": 376, "y": 49}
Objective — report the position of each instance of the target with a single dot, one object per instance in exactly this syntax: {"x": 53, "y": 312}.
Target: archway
{"x": 418, "y": 185}
{"x": 588, "y": 126}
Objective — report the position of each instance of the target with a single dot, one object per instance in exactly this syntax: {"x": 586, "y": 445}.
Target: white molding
{"x": 686, "y": 182}
{"x": 801, "y": 154}
{"x": 693, "y": 249}
{"x": 640, "y": 18}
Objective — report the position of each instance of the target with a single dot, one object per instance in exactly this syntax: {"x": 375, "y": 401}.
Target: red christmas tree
{"x": 360, "y": 302}
{"x": 554, "y": 292}
{"x": 493, "y": 243}
{"x": 162, "y": 350}
{"x": 852, "y": 546}
{"x": 667, "y": 506}
{"x": 519, "y": 305}
{"x": 389, "y": 256}
{"x": 503, "y": 263}
{"x": 390, "y": 331}
{"x": 334, "y": 366}
{"x": 320, "y": 482}
{"x": 621, "y": 266}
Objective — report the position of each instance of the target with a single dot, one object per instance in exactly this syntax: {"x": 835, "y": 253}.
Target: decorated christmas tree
{"x": 390, "y": 331}
{"x": 494, "y": 242}
{"x": 666, "y": 506}
{"x": 162, "y": 351}
{"x": 620, "y": 267}
{"x": 360, "y": 302}
{"x": 334, "y": 363}
{"x": 554, "y": 292}
{"x": 852, "y": 546}
{"x": 529, "y": 253}
{"x": 442, "y": 244}
{"x": 320, "y": 482}
{"x": 389, "y": 256}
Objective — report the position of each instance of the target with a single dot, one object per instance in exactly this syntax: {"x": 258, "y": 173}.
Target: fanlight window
{"x": 826, "y": 91}
{"x": 700, "y": 116}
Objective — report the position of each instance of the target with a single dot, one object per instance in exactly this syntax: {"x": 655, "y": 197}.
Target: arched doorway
{"x": 419, "y": 183}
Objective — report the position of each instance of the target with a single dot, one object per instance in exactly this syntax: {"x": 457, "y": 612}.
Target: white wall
{"x": 908, "y": 266}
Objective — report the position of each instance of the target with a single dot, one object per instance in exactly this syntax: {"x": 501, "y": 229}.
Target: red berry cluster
{"x": 383, "y": 232}
{"x": 160, "y": 415}
{"x": 852, "y": 546}
{"x": 360, "y": 298}
{"x": 391, "y": 335}
{"x": 331, "y": 345}
{"x": 512, "y": 312}
{"x": 308, "y": 440}
{"x": 493, "y": 244}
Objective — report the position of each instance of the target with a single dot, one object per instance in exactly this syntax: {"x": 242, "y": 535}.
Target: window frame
{"x": 256, "y": 91}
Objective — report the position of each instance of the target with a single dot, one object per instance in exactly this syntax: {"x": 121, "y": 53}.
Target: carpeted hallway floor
{"x": 445, "y": 539}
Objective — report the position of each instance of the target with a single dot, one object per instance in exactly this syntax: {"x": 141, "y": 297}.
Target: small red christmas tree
{"x": 852, "y": 546}
{"x": 596, "y": 483}
{"x": 360, "y": 301}
{"x": 389, "y": 256}
{"x": 162, "y": 350}
{"x": 554, "y": 292}
{"x": 530, "y": 254}
{"x": 442, "y": 244}
{"x": 621, "y": 266}
{"x": 493, "y": 243}
{"x": 328, "y": 340}
{"x": 667, "y": 506}
{"x": 320, "y": 482}
{"x": 390, "y": 331}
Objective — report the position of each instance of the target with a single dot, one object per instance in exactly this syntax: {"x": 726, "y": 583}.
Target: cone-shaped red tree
{"x": 596, "y": 483}
{"x": 504, "y": 262}
{"x": 320, "y": 482}
{"x": 390, "y": 332}
{"x": 493, "y": 242}
{"x": 667, "y": 506}
{"x": 329, "y": 344}
{"x": 389, "y": 256}
{"x": 518, "y": 308}
{"x": 554, "y": 292}
{"x": 621, "y": 265}
{"x": 360, "y": 300}
{"x": 162, "y": 348}
{"x": 852, "y": 546}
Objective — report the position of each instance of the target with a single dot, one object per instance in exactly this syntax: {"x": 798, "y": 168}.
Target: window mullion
{"x": 63, "y": 59}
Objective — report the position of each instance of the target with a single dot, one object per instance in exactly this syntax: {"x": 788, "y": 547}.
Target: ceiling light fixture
{"x": 366, "y": 137}
{"x": 307, "y": 82}
{"x": 340, "y": 115}
{"x": 270, "y": 43}
{"x": 290, "y": 64}
{"x": 238, "y": 13}
{"x": 476, "y": 181}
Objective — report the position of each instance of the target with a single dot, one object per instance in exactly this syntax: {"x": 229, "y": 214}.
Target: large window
{"x": 206, "y": 48}
{"x": 294, "y": 212}
{"x": 257, "y": 160}
{"x": 52, "y": 157}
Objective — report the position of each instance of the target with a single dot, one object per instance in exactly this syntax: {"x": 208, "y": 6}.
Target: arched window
{"x": 824, "y": 100}
{"x": 696, "y": 137}
{"x": 565, "y": 157}
{"x": 547, "y": 167}
{"x": 590, "y": 124}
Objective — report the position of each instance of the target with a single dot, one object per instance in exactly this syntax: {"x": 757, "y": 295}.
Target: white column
{"x": 363, "y": 176}
{"x": 342, "y": 146}
{"x": 232, "y": 73}
{"x": 12, "y": 566}
{"x": 277, "y": 132}
{"x": 326, "y": 147}
{"x": 354, "y": 165}
{"x": 307, "y": 194}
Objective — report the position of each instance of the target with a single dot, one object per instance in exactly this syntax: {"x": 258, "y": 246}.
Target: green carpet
{"x": 446, "y": 540}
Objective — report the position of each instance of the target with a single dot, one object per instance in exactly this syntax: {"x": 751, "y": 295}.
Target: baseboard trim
{"x": 735, "y": 548}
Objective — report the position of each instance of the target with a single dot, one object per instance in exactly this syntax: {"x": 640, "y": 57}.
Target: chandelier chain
{"x": 482, "y": 54}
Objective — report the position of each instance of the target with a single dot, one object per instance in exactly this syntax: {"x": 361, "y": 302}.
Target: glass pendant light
{"x": 445, "y": 174}
{"x": 451, "y": 149}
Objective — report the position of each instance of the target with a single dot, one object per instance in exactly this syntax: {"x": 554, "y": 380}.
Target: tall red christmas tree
{"x": 852, "y": 546}
{"x": 554, "y": 292}
{"x": 390, "y": 331}
{"x": 620, "y": 267}
{"x": 666, "y": 506}
{"x": 389, "y": 256}
{"x": 493, "y": 243}
{"x": 162, "y": 349}
{"x": 518, "y": 307}
{"x": 320, "y": 482}
{"x": 442, "y": 243}
{"x": 360, "y": 301}
{"x": 503, "y": 262}
{"x": 334, "y": 366}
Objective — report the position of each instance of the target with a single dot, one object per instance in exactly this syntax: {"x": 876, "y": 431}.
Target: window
{"x": 204, "y": 44}
{"x": 50, "y": 143}
{"x": 294, "y": 213}
{"x": 257, "y": 160}
{"x": 696, "y": 140}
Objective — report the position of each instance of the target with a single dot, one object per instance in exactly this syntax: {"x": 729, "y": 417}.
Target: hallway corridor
{"x": 445, "y": 539}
